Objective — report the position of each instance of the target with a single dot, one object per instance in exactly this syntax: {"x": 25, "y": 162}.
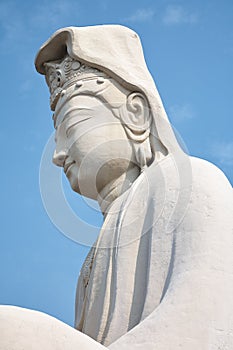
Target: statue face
{"x": 91, "y": 144}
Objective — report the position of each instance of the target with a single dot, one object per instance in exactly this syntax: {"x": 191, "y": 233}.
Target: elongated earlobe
{"x": 140, "y": 155}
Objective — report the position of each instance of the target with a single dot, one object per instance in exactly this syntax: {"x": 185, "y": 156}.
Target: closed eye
{"x": 75, "y": 123}
{"x": 70, "y": 113}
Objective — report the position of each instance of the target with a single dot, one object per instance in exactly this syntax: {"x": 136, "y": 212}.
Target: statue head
{"x": 108, "y": 115}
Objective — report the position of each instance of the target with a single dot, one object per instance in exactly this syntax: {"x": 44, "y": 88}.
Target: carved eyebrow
{"x": 75, "y": 123}
{"x": 57, "y": 122}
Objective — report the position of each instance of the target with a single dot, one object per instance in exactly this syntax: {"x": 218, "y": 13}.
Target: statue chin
{"x": 115, "y": 174}
{"x": 83, "y": 185}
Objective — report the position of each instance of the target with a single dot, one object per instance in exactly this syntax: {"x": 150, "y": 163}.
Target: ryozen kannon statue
{"x": 163, "y": 260}
{"x": 160, "y": 275}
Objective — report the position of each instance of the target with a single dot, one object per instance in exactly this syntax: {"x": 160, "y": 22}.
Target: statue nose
{"x": 59, "y": 158}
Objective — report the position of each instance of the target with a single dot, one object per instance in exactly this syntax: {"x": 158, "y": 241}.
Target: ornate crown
{"x": 63, "y": 73}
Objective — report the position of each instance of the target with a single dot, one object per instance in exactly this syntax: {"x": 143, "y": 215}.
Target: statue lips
{"x": 68, "y": 165}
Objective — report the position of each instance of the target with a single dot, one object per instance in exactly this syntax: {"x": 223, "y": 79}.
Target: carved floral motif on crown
{"x": 63, "y": 73}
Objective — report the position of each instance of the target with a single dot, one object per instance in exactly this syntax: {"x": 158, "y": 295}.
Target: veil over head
{"x": 117, "y": 51}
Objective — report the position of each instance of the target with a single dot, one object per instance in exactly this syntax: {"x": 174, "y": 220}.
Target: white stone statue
{"x": 160, "y": 275}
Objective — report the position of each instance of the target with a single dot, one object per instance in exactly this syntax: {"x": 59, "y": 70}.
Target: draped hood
{"x": 117, "y": 51}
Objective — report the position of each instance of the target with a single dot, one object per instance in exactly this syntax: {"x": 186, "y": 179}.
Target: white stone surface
{"x": 196, "y": 311}
{"x": 166, "y": 266}
{"x": 160, "y": 275}
{"x": 24, "y": 329}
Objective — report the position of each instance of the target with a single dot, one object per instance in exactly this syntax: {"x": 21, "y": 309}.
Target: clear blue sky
{"x": 189, "y": 50}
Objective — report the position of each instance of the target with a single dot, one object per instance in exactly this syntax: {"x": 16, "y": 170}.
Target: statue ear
{"x": 137, "y": 119}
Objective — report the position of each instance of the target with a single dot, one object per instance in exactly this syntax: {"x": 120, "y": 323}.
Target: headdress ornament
{"x": 61, "y": 74}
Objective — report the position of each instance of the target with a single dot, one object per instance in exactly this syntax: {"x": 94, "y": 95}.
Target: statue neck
{"x": 116, "y": 187}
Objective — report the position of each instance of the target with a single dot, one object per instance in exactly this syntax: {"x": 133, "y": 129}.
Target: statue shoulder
{"x": 207, "y": 173}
